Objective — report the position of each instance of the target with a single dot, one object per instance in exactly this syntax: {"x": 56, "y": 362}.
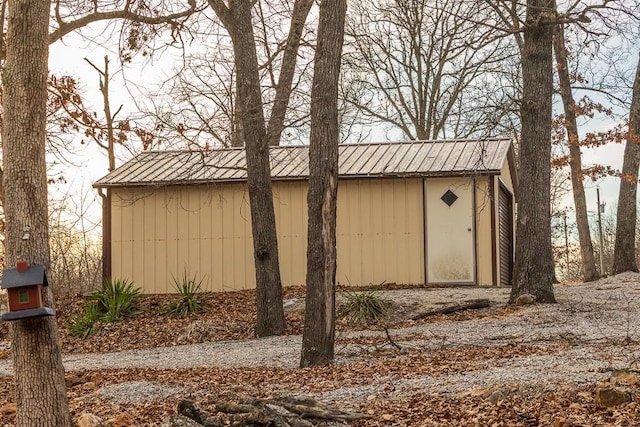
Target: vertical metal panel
{"x": 409, "y": 257}
{"x": 291, "y": 222}
{"x": 122, "y": 250}
{"x": 379, "y": 225}
{"x": 172, "y": 208}
{"x": 160, "y": 243}
{"x": 182, "y": 232}
{"x": 483, "y": 231}
{"x": 204, "y": 248}
{"x": 136, "y": 259}
{"x": 116, "y": 233}
{"x": 147, "y": 253}
{"x": 505, "y": 229}
{"x": 216, "y": 256}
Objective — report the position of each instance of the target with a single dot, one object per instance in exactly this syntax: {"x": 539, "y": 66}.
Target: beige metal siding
{"x": 505, "y": 179}
{"x": 206, "y": 230}
{"x": 484, "y": 249}
{"x": 380, "y": 231}
{"x": 203, "y": 230}
{"x": 290, "y": 204}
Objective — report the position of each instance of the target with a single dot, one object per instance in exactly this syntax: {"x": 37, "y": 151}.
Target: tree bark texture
{"x": 39, "y": 375}
{"x": 589, "y": 271}
{"x": 533, "y": 273}
{"x": 270, "y": 311}
{"x": 319, "y": 325}
{"x": 624, "y": 256}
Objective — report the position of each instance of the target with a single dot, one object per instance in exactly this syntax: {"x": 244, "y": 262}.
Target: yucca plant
{"x": 86, "y": 323}
{"x": 188, "y": 289}
{"x": 365, "y": 308}
{"x": 116, "y": 298}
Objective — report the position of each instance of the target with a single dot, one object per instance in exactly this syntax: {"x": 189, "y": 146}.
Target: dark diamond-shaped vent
{"x": 449, "y": 197}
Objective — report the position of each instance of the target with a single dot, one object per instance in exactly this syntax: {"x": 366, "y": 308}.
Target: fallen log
{"x": 467, "y": 305}
{"x": 276, "y": 411}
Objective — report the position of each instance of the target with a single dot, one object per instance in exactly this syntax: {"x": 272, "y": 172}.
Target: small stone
{"x": 89, "y": 420}
{"x": 624, "y": 377}
{"x": 495, "y": 397}
{"x": 525, "y": 299}
{"x": 609, "y": 397}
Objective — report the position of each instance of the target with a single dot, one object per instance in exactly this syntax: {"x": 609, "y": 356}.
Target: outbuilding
{"x": 415, "y": 212}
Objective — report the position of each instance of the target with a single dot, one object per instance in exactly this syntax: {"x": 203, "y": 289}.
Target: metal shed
{"x": 408, "y": 212}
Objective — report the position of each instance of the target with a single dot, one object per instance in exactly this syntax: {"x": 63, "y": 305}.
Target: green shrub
{"x": 365, "y": 308}
{"x": 368, "y": 308}
{"x": 116, "y": 298}
{"x": 188, "y": 301}
{"x": 85, "y": 324}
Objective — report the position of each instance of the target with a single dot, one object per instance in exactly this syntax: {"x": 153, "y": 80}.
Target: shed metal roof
{"x": 389, "y": 159}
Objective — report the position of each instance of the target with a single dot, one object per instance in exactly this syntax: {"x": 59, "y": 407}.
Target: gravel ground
{"x": 601, "y": 321}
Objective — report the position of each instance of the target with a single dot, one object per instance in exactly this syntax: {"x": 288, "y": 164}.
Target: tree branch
{"x": 65, "y": 28}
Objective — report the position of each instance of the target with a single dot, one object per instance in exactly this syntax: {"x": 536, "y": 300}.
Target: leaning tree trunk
{"x": 624, "y": 256}
{"x": 589, "y": 271}
{"x": 319, "y": 323}
{"x": 236, "y": 17}
{"x": 533, "y": 273}
{"x": 270, "y": 311}
{"x": 287, "y": 70}
{"x": 39, "y": 375}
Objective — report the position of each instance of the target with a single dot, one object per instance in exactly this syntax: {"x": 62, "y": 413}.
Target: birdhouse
{"x": 25, "y": 291}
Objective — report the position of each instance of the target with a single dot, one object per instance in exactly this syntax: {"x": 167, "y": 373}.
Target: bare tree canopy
{"x": 429, "y": 68}
{"x": 199, "y": 104}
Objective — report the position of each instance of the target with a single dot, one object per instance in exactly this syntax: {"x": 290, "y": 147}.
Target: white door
{"x": 450, "y": 230}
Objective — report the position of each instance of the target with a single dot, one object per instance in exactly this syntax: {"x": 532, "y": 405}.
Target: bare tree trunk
{"x": 39, "y": 374}
{"x": 103, "y": 81}
{"x": 533, "y": 273}
{"x": 624, "y": 258}
{"x": 270, "y": 310}
{"x": 236, "y": 18}
{"x": 319, "y": 325}
{"x": 589, "y": 271}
